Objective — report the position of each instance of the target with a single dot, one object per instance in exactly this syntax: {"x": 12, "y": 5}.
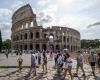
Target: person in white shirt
{"x": 68, "y": 65}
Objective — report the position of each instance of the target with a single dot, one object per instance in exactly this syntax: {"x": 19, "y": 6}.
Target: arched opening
{"x": 21, "y": 37}
{"x": 17, "y": 37}
{"x": 25, "y": 47}
{"x": 37, "y": 35}
{"x": 51, "y": 37}
{"x": 21, "y": 47}
{"x": 31, "y": 46}
{"x": 67, "y": 46}
{"x": 45, "y": 35}
{"x": 44, "y": 47}
{"x": 37, "y": 47}
{"x": 26, "y": 26}
{"x": 31, "y": 35}
{"x": 64, "y": 38}
{"x": 57, "y": 47}
{"x": 64, "y": 46}
{"x": 25, "y": 36}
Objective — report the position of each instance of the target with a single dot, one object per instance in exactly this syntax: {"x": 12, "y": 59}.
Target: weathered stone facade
{"x": 27, "y": 35}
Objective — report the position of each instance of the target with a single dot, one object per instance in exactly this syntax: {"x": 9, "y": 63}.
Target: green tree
{"x": 7, "y": 44}
{"x": 0, "y": 41}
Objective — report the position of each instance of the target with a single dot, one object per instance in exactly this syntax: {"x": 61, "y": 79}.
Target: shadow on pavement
{"x": 8, "y": 74}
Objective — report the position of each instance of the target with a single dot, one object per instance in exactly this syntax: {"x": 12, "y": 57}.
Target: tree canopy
{"x": 90, "y": 43}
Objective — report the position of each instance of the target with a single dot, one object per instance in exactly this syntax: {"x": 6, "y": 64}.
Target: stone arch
{"x": 57, "y": 47}
{"x": 21, "y": 36}
{"x": 25, "y": 36}
{"x": 25, "y": 47}
{"x": 31, "y": 35}
{"x": 44, "y": 47}
{"x": 37, "y": 35}
{"x": 21, "y": 47}
{"x": 37, "y": 47}
{"x": 31, "y": 46}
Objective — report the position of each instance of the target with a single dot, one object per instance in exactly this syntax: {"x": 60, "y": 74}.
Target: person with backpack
{"x": 20, "y": 61}
{"x": 59, "y": 62}
{"x": 55, "y": 58}
{"x": 68, "y": 65}
{"x": 33, "y": 64}
{"x": 98, "y": 61}
{"x": 44, "y": 61}
{"x": 79, "y": 59}
{"x": 92, "y": 61}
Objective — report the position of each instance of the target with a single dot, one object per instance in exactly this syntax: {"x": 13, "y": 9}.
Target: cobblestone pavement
{"x": 12, "y": 60}
{"x": 13, "y": 74}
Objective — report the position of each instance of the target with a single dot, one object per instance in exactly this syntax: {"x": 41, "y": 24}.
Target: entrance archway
{"x": 37, "y": 47}
{"x": 44, "y": 47}
{"x": 57, "y": 47}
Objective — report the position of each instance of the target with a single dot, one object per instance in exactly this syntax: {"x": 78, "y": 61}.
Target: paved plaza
{"x": 13, "y": 74}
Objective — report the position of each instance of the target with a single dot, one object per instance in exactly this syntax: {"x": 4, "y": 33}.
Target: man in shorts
{"x": 79, "y": 59}
{"x": 92, "y": 61}
{"x": 33, "y": 64}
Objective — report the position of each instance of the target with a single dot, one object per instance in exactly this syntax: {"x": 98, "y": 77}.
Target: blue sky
{"x": 77, "y": 14}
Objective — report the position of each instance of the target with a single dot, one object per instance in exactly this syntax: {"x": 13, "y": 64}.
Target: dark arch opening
{"x": 44, "y": 47}
{"x": 31, "y": 46}
{"x": 57, "y": 47}
{"x": 37, "y": 35}
{"x": 21, "y": 37}
{"x": 25, "y": 36}
{"x": 25, "y": 47}
{"x": 37, "y": 47}
{"x": 31, "y": 35}
{"x": 21, "y": 47}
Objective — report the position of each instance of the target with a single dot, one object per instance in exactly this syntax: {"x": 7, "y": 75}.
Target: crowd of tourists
{"x": 63, "y": 61}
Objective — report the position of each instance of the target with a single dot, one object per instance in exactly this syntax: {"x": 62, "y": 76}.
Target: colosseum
{"x": 27, "y": 35}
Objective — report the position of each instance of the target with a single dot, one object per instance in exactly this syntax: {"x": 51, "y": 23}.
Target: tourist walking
{"x": 68, "y": 65}
{"x": 44, "y": 62}
{"x": 80, "y": 62}
{"x": 39, "y": 57}
{"x": 92, "y": 61}
{"x": 98, "y": 61}
{"x": 51, "y": 55}
{"x": 55, "y": 58}
{"x": 20, "y": 60}
{"x": 6, "y": 53}
{"x": 33, "y": 64}
{"x": 59, "y": 62}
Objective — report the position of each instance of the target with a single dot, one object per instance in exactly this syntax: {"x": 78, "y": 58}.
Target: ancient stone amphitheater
{"x": 27, "y": 35}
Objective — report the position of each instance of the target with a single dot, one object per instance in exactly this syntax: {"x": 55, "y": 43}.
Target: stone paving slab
{"x": 12, "y": 60}
{"x": 51, "y": 75}
{"x": 13, "y": 74}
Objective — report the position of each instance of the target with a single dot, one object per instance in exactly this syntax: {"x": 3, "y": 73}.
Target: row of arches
{"x": 26, "y": 36}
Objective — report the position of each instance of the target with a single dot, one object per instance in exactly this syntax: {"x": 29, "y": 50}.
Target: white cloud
{"x": 5, "y": 12}
{"x": 17, "y": 4}
{"x": 42, "y": 2}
